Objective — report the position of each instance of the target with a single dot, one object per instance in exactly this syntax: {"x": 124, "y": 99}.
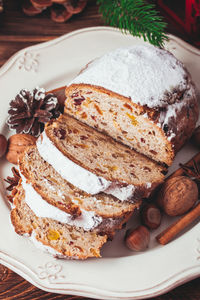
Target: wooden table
{"x": 16, "y": 32}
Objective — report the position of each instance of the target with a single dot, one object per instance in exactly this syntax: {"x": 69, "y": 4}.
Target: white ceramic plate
{"x": 120, "y": 273}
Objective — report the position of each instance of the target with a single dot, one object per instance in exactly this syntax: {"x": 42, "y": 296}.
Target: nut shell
{"x": 177, "y": 195}
{"x": 3, "y": 145}
{"x": 151, "y": 216}
{"x": 137, "y": 239}
{"x": 17, "y": 143}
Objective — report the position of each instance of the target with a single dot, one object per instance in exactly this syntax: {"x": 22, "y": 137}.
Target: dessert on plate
{"x": 95, "y": 162}
{"x": 126, "y": 115}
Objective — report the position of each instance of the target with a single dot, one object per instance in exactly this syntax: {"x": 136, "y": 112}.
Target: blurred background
{"x": 24, "y": 23}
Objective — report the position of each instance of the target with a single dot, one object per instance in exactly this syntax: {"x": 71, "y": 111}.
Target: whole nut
{"x": 137, "y": 239}
{"x": 177, "y": 195}
{"x": 17, "y": 143}
{"x": 151, "y": 216}
{"x": 3, "y": 145}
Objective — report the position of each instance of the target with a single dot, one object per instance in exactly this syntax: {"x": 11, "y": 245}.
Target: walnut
{"x": 177, "y": 195}
{"x": 17, "y": 144}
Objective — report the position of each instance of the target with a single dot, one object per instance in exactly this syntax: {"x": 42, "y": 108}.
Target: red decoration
{"x": 187, "y": 15}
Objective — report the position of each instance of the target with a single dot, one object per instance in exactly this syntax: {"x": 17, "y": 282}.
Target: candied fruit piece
{"x": 95, "y": 253}
{"x": 116, "y": 125}
{"x": 133, "y": 119}
{"x": 111, "y": 168}
{"x": 84, "y": 115}
{"x": 128, "y": 106}
{"x": 98, "y": 109}
{"x": 78, "y": 101}
{"x": 88, "y": 100}
{"x": 83, "y": 146}
{"x": 53, "y": 235}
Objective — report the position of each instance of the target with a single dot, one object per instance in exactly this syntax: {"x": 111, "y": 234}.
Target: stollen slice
{"x": 96, "y": 163}
{"x": 59, "y": 239}
{"x": 48, "y": 192}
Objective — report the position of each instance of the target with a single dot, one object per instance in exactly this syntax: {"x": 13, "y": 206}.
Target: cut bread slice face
{"x": 141, "y": 95}
{"x": 44, "y": 183}
{"x": 63, "y": 240}
{"x": 94, "y": 162}
{"x": 120, "y": 118}
{"x": 155, "y": 132}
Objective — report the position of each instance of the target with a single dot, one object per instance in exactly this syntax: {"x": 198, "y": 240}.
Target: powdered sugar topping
{"x": 122, "y": 193}
{"x": 78, "y": 176}
{"x": 39, "y": 93}
{"x": 143, "y": 72}
{"x": 169, "y": 114}
{"x": 88, "y": 220}
{"x": 73, "y": 173}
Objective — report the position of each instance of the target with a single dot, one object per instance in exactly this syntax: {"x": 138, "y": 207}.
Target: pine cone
{"x": 61, "y": 10}
{"x": 29, "y": 111}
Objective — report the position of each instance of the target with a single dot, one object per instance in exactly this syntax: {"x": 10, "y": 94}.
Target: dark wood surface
{"x": 16, "y": 32}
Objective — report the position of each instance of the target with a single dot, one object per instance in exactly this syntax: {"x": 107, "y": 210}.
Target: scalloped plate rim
{"x": 82, "y": 288}
{"x": 42, "y": 45}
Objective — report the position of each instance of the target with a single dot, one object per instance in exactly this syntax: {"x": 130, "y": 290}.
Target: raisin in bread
{"x": 44, "y": 184}
{"x": 94, "y": 162}
{"x": 61, "y": 239}
{"x": 142, "y": 96}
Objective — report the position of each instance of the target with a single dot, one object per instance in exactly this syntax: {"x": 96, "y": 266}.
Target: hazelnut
{"x": 17, "y": 144}
{"x": 177, "y": 195}
{"x": 151, "y": 216}
{"x": 3, "y": 145}
{"x": 137, "y": 239}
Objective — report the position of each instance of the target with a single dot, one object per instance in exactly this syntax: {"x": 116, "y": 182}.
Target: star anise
{"x": 29, "y": 111}
{"x": 192, "y": 171}
{"x": 13, "y": 181}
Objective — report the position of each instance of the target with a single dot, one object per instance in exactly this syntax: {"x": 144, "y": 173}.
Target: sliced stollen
{"x": 49, "y": 195}
{"x": 57, "y": 191}
{"x": 95, "y": 163}
{"x": 59, "y": 239}
{"x": 141, "y": 96}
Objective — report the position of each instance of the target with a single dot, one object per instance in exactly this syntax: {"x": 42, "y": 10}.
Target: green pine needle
{"x": 137, "y": 17}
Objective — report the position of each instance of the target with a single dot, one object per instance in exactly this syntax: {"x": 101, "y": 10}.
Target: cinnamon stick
{"x": 168, "y": 234}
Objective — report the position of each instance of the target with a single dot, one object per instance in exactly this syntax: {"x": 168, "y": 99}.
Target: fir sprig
{"x": 136, "y": 17}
